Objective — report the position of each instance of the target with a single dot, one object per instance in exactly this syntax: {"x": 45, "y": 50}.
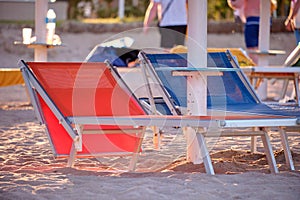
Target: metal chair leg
{"x": 72, "y": 156}
{"x": 286, "y": 148}
{"x": 297, "y": 92}
{"x": 205, "y": 154}
{"x": 269, "y": 152}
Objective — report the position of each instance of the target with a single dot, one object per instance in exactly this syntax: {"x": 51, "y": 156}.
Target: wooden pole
{"x": 40, "y": 51}
{"x": 196, "y": 84}
{"x": 264, "y": 43}
{"x": 121, "y": 9}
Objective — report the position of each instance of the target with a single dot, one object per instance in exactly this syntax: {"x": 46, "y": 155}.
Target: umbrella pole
{"x": 196, "y": 84}
{"x": 40, "y": 51}
{"x": 264, "y": 43}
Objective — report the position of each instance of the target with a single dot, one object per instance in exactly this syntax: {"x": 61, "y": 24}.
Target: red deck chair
{"x": 61, "y": 90}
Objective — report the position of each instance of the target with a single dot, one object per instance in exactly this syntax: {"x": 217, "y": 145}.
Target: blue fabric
{"x": 230, "y": 92}
{"x": 297, "y": 36}
{"x": 176, "y": 86}
{"x": 221, "y": 90}
{"x": 251, "y": 32}
{"x": 160, "y": 105}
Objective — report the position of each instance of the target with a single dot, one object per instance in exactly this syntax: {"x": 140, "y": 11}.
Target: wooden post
{"x": 196, "y": 84}
{"x": 40, "y": 51}
{"x": 264, "y": 43}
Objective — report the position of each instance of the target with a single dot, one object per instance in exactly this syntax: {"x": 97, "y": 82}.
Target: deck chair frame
{"x": 200, "y": 124}
{"x": 286, "y": 73}
{"x": 257, "y": 130}
{"x": 74, "y": 130}
{"x": 290, "y": 61}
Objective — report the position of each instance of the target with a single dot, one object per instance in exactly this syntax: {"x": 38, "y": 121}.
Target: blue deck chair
{"x": 230, "y": 92}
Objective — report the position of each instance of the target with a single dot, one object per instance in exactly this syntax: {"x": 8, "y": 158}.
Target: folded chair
{"x": 230, "y": 92}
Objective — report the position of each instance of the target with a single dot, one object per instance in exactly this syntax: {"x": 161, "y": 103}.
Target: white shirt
{"x": 175, "y": 15}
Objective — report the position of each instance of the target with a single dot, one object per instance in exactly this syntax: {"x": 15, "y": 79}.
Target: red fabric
{"x": 92, "y": 143}
{"x": 87, "y": 89}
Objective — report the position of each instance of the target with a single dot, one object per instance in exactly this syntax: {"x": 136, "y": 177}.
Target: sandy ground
{"x": 29, "y": 171}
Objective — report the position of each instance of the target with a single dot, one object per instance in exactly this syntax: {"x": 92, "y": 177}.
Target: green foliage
{"x": 107, "y": 12}
{"x": 219, "y": 10}
{"x": 132, "y": 11}
{"x": 73, "y": 12}
{"x": 283, "y": 7}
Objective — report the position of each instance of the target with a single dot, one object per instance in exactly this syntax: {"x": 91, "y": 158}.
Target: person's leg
{"x": 251, "y": 39}
{"x": 297, "y": 35}
{"x": 251, "y": 34}
{"x": 172, "y": 36}
{"x": 167, "y": 37}
{"x": 180, "y": 35}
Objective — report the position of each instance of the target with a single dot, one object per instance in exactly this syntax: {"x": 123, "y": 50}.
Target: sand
{"x": 28, "y": 169}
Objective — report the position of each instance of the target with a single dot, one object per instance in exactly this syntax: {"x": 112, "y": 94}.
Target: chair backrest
{"x": 240, "y": 54}
{"x": 84, "y": 89}
{"x": 231, "y": 88}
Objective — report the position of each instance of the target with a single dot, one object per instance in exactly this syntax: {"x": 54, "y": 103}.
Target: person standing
{"x": 251, "y": 10}
{"x": 172, "y": 17}
{"x": 251, "y": 29}
{"x": 292, "y": 23}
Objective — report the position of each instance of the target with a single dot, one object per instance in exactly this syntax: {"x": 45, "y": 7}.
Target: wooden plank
{"x": 273, "y": 75}
{"x": 200, "y": 69}
{"x": 193, "y": 73}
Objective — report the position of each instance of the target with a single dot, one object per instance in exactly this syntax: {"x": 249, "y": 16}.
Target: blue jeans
{"x": 297, "y": 35}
